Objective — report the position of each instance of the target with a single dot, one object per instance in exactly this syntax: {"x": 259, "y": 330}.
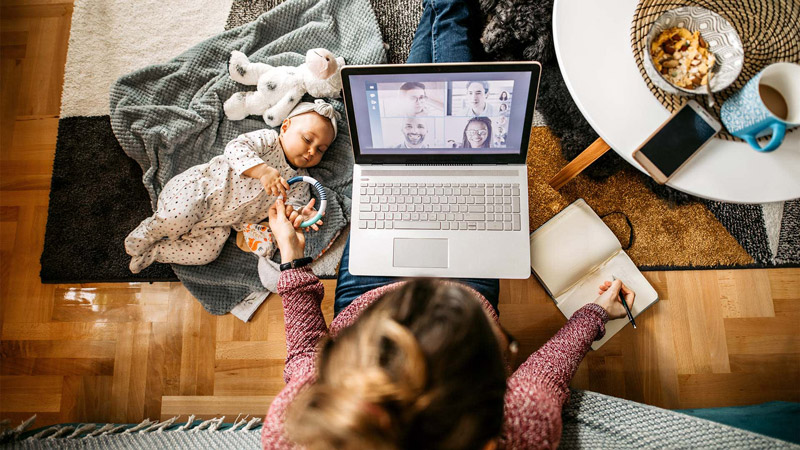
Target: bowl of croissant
{"x": 690, "y": 49}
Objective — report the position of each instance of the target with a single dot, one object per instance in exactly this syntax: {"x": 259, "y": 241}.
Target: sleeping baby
{"x": 197, "y": 208}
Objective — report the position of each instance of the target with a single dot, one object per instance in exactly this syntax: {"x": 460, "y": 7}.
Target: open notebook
{"x": 574, "y": 252}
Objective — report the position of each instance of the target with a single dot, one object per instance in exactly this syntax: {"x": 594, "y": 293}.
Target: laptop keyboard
{"x": 439, "y": 206}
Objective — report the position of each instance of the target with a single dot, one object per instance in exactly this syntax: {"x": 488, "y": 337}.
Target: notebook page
{"x": 567, "y": 247}
{"x": 587, "y": 291}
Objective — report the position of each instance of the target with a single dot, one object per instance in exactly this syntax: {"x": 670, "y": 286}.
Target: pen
{"x": 625, "y": 304}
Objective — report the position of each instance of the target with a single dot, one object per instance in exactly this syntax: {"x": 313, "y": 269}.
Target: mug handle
{"x": 778, "y": 132}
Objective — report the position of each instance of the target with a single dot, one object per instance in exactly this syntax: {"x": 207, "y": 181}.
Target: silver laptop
{"x": 440, "y": 185}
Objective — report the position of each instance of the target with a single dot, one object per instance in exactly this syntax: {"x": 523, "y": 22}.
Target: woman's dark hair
{"x": 484, "y": 120}
{"x": 421, "y": 368}
{"x": 503, "y": 96}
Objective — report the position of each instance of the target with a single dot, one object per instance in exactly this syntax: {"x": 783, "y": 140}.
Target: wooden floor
{"x": 123, "y": 352}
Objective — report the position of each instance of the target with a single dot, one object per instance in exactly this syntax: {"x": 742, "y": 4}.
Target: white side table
{"x": 608, "y": 89}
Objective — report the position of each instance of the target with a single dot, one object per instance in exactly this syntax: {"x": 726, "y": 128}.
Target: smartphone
{"x": 674, "y": 143}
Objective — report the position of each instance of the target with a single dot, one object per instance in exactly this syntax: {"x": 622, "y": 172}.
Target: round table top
{"x": 608, "y": 89}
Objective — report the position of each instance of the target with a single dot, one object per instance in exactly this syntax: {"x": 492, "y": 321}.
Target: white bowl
{"x": 723, "y": 41}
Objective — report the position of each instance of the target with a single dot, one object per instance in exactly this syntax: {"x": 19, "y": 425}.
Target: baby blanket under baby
{"x": 168, "y": 117}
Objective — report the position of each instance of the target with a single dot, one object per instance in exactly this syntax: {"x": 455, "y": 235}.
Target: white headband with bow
{"x": 320, "y": 107}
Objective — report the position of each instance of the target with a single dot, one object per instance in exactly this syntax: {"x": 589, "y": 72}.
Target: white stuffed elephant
{"x": 279, "y": 89}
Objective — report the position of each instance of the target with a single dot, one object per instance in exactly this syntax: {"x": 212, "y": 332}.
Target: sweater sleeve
{"x": 540, "y": 386}
{"x": 302, "y": 294}
{"x": 246, "y": 151}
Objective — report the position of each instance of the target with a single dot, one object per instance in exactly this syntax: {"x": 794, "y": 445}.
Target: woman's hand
{"x": 291, "y": 241}
{"x": 609, "y": 298}
{"x": 308, "y": 212}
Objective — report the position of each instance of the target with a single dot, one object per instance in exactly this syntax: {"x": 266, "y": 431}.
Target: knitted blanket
{"x": 168, "y": 117}
{"x": 591, "y": 420}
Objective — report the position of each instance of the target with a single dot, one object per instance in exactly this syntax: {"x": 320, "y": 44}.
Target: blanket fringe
{"x": 92, "y": 430}
{"x": 13, "y": 434}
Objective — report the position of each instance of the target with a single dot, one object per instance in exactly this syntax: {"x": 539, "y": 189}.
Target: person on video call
{"x": 414, "y": 133}
{"x": 478, "y": 133}
{"x": 476, "y": 104}
{"x": 416, "y": 102}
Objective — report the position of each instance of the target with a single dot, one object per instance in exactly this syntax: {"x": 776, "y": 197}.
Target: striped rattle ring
{"x": 323, "y": 199}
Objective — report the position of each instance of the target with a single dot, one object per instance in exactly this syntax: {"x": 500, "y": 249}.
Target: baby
{"x": 198, "y": 208}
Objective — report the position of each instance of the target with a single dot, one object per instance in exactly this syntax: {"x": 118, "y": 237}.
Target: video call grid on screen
{"x": 440, "y": 113}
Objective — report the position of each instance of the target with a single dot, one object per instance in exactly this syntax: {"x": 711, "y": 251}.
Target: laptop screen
{"x": 419, "y": 114}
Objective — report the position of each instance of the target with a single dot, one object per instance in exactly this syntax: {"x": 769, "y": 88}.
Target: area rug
{"x": 87, "y": 222}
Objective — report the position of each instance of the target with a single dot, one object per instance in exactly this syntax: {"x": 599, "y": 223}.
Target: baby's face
{"x": 305, "y": 138}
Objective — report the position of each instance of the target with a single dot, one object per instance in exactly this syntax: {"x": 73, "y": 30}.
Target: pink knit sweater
{"x": 536, "y": 390}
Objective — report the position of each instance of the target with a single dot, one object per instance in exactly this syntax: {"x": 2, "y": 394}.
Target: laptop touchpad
{"x": 420, "y": 253}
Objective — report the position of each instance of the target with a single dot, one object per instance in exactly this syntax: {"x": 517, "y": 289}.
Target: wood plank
{"x": 251, "y": 350}
{"x": 209, "y": 406}
{"x": 57, "y": 366}
{"x": 36, "y": 11}
{"x": 698, "y": 327}
{"x": 130, "y": 373}
{"x": 30, "y": 393}
{"x": 155, "y": 380}
{"x": 57, "y": 349}
{"x": 784, "y": 284}
{"x": 86, "y": 399}
{"x": 72, "y": 331}
{"x": 702, "y": 390}
{"x": 745, "y": 293}
{"x": 787, "y": 364}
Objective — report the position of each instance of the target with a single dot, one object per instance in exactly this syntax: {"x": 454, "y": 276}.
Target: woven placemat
{"x": 769, "y": 32}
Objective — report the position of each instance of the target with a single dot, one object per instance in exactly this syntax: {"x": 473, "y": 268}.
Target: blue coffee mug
{"x": 768, "y": 103}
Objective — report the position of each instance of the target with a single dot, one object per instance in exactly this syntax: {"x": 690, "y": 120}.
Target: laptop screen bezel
{"x": 534, "y": 67}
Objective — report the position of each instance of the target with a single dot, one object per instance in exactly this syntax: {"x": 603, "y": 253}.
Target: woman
{"x": 419, "y": 364}
{"x": 478, "y": 133}
{"x": 504, "y": 96}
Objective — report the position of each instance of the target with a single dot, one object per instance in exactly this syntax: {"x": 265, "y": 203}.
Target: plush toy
{"x": 279, "y": 89}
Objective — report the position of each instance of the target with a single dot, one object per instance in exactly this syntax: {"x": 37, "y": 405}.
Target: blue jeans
{"x": 349, "y": 287}
{"x": 442, "y": 36}
{"x": 446, "y": 33}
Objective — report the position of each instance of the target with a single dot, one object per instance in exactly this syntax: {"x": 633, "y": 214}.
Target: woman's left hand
{"x": 306, "y": 213}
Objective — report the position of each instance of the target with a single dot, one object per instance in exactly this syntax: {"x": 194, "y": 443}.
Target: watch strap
{"x": 297, "y": 263}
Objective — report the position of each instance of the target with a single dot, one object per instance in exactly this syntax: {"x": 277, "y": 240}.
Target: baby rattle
{"x": 323, "y": 199}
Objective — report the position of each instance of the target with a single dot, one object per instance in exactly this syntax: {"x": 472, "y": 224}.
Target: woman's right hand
{"x": 610, "y": 301}
{"x": 291, "y": 241}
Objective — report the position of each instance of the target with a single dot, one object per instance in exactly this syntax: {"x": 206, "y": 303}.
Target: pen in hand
{"x": 625, "y": 304}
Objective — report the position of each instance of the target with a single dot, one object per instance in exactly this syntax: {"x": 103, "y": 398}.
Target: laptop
{"x": 440, "y": 185}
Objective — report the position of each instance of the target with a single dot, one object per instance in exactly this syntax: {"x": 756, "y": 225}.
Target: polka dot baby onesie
{"x": 197, "y": 208}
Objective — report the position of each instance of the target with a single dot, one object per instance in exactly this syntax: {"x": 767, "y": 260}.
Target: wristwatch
{"x": 299, "y": 262}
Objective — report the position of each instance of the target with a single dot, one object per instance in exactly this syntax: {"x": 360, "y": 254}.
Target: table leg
{"x": 582, "y": 161}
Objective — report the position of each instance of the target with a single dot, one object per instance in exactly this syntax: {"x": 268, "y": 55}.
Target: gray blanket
{"x": 591, "y": 420}
{"x": 168, "y": 117}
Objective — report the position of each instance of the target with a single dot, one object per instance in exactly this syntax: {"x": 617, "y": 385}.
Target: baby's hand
{"x": 306, "y": 213}
{"x": 273, "y": 182}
